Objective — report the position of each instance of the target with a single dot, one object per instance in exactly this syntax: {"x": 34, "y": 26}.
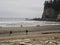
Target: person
{"x": 10, "y": 32}
{"x": 26, "y": 32}
{"x": 21, "y": 25}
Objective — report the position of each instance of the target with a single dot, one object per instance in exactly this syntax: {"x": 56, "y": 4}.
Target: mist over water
{"x": 17, "y": 22}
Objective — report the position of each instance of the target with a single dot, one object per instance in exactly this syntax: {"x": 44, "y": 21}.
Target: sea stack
{"x": 51, "y": 10}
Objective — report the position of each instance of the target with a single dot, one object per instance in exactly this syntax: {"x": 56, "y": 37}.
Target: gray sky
{"x": 21, "y": 8}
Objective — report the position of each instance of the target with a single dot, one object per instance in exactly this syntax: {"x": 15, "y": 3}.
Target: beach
{"x": 36, "y": 35}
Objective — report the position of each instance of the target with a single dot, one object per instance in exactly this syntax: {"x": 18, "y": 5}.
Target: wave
{"x": 19, "y": 22}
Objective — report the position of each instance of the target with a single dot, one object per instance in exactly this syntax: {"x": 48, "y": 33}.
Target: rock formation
{"x": 51, "y": 10}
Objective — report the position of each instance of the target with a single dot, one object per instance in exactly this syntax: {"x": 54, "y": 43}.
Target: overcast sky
{"x": 21, "y": 8}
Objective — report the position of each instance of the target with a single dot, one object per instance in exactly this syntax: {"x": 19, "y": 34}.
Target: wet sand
{"x": 34, "y": 34}
{"x": 35, "y": 28}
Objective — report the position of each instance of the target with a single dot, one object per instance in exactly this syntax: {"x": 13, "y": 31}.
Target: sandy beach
{"x": 31, "y": 29}
{"x": 35, "y": 34}
{"x": 5, "y": 31}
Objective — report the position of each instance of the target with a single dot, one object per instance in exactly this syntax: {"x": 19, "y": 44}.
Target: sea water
{"x": 17, "y": 22}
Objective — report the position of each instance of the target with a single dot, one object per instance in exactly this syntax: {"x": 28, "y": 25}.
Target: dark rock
{"x": 51, "y": 10}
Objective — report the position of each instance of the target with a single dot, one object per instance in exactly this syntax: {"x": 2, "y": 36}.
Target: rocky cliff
{"x": 51, "y": 10}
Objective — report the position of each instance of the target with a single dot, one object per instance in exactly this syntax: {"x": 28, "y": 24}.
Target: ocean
{"x": 17, "y": 22}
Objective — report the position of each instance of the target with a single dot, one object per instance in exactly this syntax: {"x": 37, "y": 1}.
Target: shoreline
{"x": 34, "y": 38}
{"x": 44, "y": 30}
{"x": 51, "y": 27}
{"x": 39, "y": 29}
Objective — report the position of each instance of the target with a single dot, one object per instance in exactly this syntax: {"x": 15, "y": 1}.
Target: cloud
{"x": 21, "y": 8}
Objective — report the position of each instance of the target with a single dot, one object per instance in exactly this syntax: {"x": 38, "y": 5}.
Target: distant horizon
{"x": 20, "y": 18}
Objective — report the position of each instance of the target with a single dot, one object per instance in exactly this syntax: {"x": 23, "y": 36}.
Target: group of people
{"x": 10, "y": 32}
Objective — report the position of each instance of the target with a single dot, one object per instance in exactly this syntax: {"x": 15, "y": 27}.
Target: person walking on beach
{"x": 26, "y": 32}
{"x": 10, "y": 32}
{"x": 21, "y": 25}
